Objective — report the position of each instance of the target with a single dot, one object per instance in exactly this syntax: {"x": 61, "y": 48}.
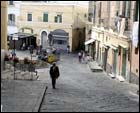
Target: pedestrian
{"x": 54, "y": 74}
{"x": 68, "y": 49}
{"x": 80, "y": 56}
{"x": 24, "y": 46}
{"x": 83, "y": 56}
{"x": 13, "y": 53}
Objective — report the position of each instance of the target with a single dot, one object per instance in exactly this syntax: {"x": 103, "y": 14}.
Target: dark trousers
{"x": 53, "y": 82}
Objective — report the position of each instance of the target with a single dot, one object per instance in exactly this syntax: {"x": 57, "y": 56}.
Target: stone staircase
{"x": 8, "y": 73}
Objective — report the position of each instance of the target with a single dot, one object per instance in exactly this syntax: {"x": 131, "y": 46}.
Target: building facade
{"x": 13, "y": 14}
{"x": 66, "y": 23}
{"x": 112, "y": 33}
{"x": 3, "y": 32}
{"x": 3, "y": 25}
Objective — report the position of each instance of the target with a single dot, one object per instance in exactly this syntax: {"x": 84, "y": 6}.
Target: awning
{"x": 60, "y": 36}
{"x": 22, "y": 35}
{"x": 89, "y": 41}
{"x": 104, "y": 46}
{"x": 124, "y": 46}
{"x": 113, "y": 47}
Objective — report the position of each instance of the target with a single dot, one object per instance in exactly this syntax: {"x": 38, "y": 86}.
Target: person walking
{"x": 80, "y": 56}
{"x": 68, "y": 49}
{"x": 83, "y": 56}
{"x": 54, "y": 74}
{"x": 13, "y": 53}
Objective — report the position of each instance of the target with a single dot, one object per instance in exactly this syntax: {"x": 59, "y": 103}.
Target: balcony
{"x": 112, "y": 23}
{"x": 11, "y": 23}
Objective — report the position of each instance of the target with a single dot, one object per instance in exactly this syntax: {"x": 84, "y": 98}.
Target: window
{"x": 118, "y": 8}
{"x": 119, "y": 50}
{"x": 11, "y": 2}
{"x": 58, "y": 18}
{"x": 108, "y": 8}
{"x": 29, "y": 16}
{"x": 11, "y": 19}
{"x": 129, "y": 54}
{"x": 136, "y": 50}
{"x": 60, "y": 42}
{"x": 136, "y": 15}
{"x": 126, "y": 8}
{"x": 45, "y": 17}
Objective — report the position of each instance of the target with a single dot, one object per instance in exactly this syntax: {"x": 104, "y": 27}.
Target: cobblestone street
{"x": 80, "y": 90}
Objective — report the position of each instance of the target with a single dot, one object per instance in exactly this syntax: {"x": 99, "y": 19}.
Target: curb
{"x": 39, "y": 102}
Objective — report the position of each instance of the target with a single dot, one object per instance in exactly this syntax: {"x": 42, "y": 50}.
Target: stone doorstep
{"x": 112, "y": 75}
{"x": 120, "y": 78}
{"x": 96, "y": 70}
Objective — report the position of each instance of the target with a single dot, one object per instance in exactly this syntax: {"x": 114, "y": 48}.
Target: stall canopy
{"x": 22, "y": 35}
{"x": 12, "y": 30}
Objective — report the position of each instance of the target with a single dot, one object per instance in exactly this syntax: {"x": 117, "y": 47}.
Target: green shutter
{"x": 136, "y": 11}
{"x": 60, "y": 18}
{"x": 55, "y": 19}
{"x": 45, "y": 17}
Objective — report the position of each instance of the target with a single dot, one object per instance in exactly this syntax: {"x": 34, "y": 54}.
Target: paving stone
{"x": 80, "y": 90}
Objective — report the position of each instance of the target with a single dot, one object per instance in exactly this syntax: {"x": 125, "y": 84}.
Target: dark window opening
{"x": 45, "y": 17}
{"x": 136, "y": 50}
{"x": 119, "y": 53}
{"x": 136, "y": 70}
{"x": 29, "y": 16}
{"x": 136, "y": 11}
{"x": 58, "y": 18}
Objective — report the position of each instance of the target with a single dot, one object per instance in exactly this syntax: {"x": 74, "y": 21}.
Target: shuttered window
{"x": 136, "y": 15}
{"x": 29, "y": 17}
{"x": 58, "y": 18}
{"x": 45, "y": 17}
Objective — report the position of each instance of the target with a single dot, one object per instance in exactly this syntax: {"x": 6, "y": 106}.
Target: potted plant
{"x": 26, "y": 60}
{"x": 16, "y": 59}
{"x": 33, "y": 62}
{"x": 6, "y": 58}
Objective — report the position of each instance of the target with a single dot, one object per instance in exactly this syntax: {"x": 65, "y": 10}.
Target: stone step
{"x": 6, "y": 72}
{"x": 120, "y": 78}
{"x": 97, "y": 70}
{"x": 111, "y": 75}
{"x": 95, "y": 67}
{"x": 19, "y": 75}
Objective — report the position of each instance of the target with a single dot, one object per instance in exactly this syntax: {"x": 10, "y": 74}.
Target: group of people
{"x": 83, "y": 57}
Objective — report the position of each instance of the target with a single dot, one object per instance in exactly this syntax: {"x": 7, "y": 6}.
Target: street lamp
{"x": 15, "y": 37}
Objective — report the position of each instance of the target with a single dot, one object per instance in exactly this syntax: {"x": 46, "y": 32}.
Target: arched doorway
{"x": 60, "y": 39}
{"x": 44, "y": 39}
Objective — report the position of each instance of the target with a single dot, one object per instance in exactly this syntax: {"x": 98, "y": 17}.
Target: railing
{"x": 111, "y": 23}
